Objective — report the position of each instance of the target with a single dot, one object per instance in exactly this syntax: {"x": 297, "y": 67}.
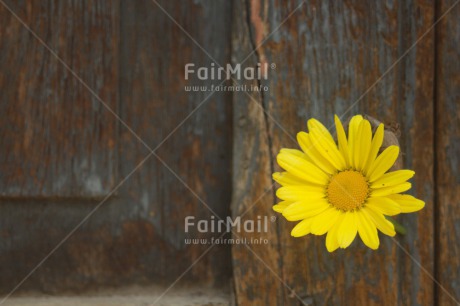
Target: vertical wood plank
{"x": 327, "y": 55}
{"x": 57, "y": 140}
{"x": 154, "y": 102}
{"x": 256, "y": 267}
{"x": 59, "y": 151}
{"x": 447, "y": 154}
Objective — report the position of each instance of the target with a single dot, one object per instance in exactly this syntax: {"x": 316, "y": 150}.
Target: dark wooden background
{"x": 62, "y": 152}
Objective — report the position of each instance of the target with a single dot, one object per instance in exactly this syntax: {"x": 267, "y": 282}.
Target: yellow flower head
{"x": 342, "y": 189}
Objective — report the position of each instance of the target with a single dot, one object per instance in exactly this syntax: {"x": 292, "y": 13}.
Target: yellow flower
{"x": 343, "y": 189}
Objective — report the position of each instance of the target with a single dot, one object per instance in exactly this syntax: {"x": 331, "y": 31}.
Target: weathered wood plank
{"x": 58, "y": 143}
{"x": 57, "y": 140}
{"x": 327, "y": 54}
{"x": 154, "y": 101}
{"x": 447, "y": 154}
{"x": 255, "y": 272}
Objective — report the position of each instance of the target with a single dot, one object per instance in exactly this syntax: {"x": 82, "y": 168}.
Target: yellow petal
{"x": 381, "y": 192}
{"x": 285, "y": 178}
{"x": 407, "y": 202}
{"x": 375, "y": 147}
{"x": 347, "y": 230}
{"x": 300, "y": 193}
{"x": 352, "y": 134}
{"x": 383, "y": 163}
{"x": 328, "y": 149}
{"x": 314, "y": 124}
{"x": 367, "y": 230}
{"x": 304, "y": 209}
{"x": 324, "y": 221}
{"x": 380, "y": 222}
{"x": 295, "y": 152}
{"x": 342, "y": 140}
{"x": 332, "y": 242}
{"x": 302, "y": 169}
{"x": 305, "y": 143}
{"x": 281, "y": 206}
{"x": 384, "y": 205}
{"x": 302, "y": 228}
{"x": 393, "y": 178}
{"x": 362, "y": 144}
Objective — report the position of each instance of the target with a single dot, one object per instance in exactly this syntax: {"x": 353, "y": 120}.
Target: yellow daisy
{"x": 342, "y": 189}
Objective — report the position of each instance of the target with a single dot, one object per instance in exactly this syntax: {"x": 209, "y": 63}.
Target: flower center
{"x": 347, "y": 190}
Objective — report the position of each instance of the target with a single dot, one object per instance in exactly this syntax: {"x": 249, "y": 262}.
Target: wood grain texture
{"x": 255, "y": 266}
{"x": 327, "y": 55}
{"x": 154, "y": 102}
{"x": 447, "y": 154}
{"x": 60, "y": 149}
{"x": 57, "y": 140}
{"x": 137, "y": 236}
